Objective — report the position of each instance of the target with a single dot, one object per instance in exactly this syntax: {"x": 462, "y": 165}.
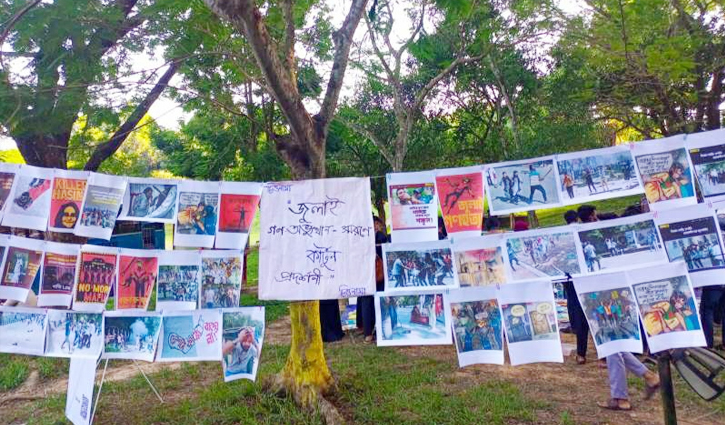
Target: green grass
{"x": 273, "y": 310}
{"x": 14, "y": 370}
{"x": 555, "y": 216}
{"x": 253, "y": 267}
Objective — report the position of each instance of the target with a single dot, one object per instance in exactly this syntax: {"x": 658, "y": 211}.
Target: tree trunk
{"x": 44, "y": 150}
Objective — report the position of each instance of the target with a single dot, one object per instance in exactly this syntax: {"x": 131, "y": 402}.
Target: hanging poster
{"x": 412, "y": 318}
{"x": 198, "y": 210}
{"x": 413, "y": 206}
{"x": 243, "y": 339}
{"x": 178, "y": 287}
{"x": 238, "y": 205}
{"x": 317, "y": 240}
{"x": 72, "y": 334}
{"x": 620, "y": 244}
{"x": 22, "y": 330}
{"x": 690, "y": 234}
{"x": 137, "y": 271}
{"x": 460, "y": 193}
{"x": 664, "y": 168}
{"x": 528, "y": 312}
{"x": 423, "y": 264}
{"x": 100, "y": 206}
{"x": 58, "y": 274}
{"x": 190, "y": 336}
{"x": 22, "y": 264}
{"x": 221, "y": 278}
{"x": 522, "y": 185}
{"x": 96, "y": 275}
{"x": 707, "y": 153}
{"x": 667, "y": 306}
{"x": 69, "y": 187}
{"x": 542, "y": 253}
{"x": 477, "y": 327}
{"x": 479, "y": 261}
{"x": 7, "y": 177}
{"x": 131, "y": 335}
{"x": 611, "y": 310}
{"x": 597, "y": 174}
{"x": 150, "y": 200}
{"x": 79, "y": 399}
{"x": 29, "y": 202}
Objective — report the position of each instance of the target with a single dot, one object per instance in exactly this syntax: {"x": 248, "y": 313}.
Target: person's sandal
{"x": 615, "y": 404}
{"x": 652, "y": 384}
{"x": 369, "y": 339}
{"x": 580, "y": 359}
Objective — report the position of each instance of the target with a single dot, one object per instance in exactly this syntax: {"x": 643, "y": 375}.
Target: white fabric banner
{"x": 101, "y": 202}
{"x": 477, "y": 325}
{"x": 29, "y": 202}
{"x": 79, "y": 399}
{"x": 413, "y": 206}
{"x": 58, "y": 274}
{"x": 150, "y": 200}
{"x": 197, "y": 214}
{"x": 190, "y": 336}
{"x": 238, "y": 205}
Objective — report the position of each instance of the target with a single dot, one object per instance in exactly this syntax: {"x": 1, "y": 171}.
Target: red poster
{"x": 136, "y": 279}
{"x": 237, "y": 212}
{"x": 461, "y": 199}
{"x": 65, "y": 202}
{"x": 6, "y": 183}
{"x": 96, "y": 277}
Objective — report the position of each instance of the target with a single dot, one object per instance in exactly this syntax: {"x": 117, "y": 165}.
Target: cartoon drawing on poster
{"x": 422, "y": 264}
{"x": 198, "y": 210}
{"x": 178, "y": 280}
{"x": 522, "y": 185}
{"x": 137, "y": 270}
{"x": 667, "y": 306}
{"x": 317, "y": 240}
{"x": 22, "y": 263}
{"x": 477, "y": 326}
{"x": 96, "y": 275}
{"x": 479, "y": 261}
{"x": 412, "y": 318}
{"x": 413, "y": 206}
{"x": 101, "y": 203}
{"x": 131, "y": 336}
{"x": 7, "y": 177}
{"x": 221, "y": 279}
{"x": 238, "y": 206}
{"x": 150, "y": 200}
{"x": 243, "y": 340}
{"x": 664, "y": 168}
{"x": 29, "y": 202}
{"x": 22, "y": 330}
{"x": 72, "y": 334}
{"x": 541, "y": 253}
{"x": 58, "y": 274}
{"x": 79, "y": 398}
{"x": 707, "y": 153}
{"x": 190, "y": 336}
{"x": 460, "y": 192}
{"x": 66, "y": 199}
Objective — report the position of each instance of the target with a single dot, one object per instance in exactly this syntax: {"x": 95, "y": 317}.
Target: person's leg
{"x": 708, "y": 303}
{"x": 617, "y": 377}
{"x": 367, "y": 309}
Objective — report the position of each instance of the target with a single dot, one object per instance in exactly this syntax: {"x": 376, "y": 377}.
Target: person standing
{"x": 535, "y": 180}
{"x": 366, "y": 304}
{"x": 577, "y": 319}
{"x": 713, "y": 298}
{"x": 568, "y": 184}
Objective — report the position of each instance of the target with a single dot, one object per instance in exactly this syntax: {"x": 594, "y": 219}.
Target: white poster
{"x": 611, "y": 310}
{"x": 238, "y": 204}
{"x": 69, "y": 188}
{"x": 29, "y": 202}
{"x": 667, "y": 306}
{"x": 22, "y": 263}
{"x": 79, "y": 399}
{"x": 427, "y": 265}
{"x": 72, "y": 334}
{"x": 477, "y": 325}
{"x": 131, "y": 335}
{"x": 243, "y": 340}
{"x": 150, "y": 200}
{"x": 221, "y": 278}
{"x": 101, "y": 203}
{"x": 8, "y": 172}
{"x": 178, "y": 281}
{"x": 528, "y": 312}
{"x": 524, "y": 185}
{"x": 95, "y": 276}
{"x": 479, "y": 261}
{"x": 413, "y": 206}
{"x": 22, "y": 330}
{"x": 197, "y": 214}
{"x": 58, "y": 274}
{"x": 707, "y": 154}
{"x": 317, "y": 240}
{"x": 190, "y": 336}
{"x": 542, "y": 253}
{"x": 412, "y": 318}
{"x": 460, "y": 194}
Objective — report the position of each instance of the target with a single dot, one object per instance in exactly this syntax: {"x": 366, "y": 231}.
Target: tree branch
{"x": 423, "y": 93}
{"x": 371, "y": 136}
{"x": 11, "y": 23}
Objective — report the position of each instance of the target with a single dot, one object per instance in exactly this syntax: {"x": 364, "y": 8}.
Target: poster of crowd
{"x": 22, "y": 330}
{"x": 522, "y": 185}
{"x": 422, "y": 265}
{"x": 7, "y": 177}
{"x": 178, "y": 280}
{"x": 96, "y": 275}
{"x": 137, "y": 271}
{"x": 707, "y": 153}
{"x": 190, "y": 336}
{"x": 72, "y": 334}
{"x": 198, "y": 211}
{"x": 542, "y": 253}
{"x": 664, "y": 168}
{"x": 22, "y": 263}
{"x": 611, "y": 311}
{"x": 29, "y": 202}
{"x": 412, "y": 318}
{"x": 460, "y": 193}
{"x": 413, "y": 206}
{"x": 479, "y": 261}
{"x": 528, "y": 313}
{"x": 667, "y": 306}
{"x": 620, "y": 243}
{"x": 101, "y": 203}
{"x": 150, "y": 200}
{"x": 597, "y": 174}
{"x": 130, "y": 335}
{"x": 243, "y": 337}
{"x": 221, "y": 279}
{"x": 238, "y": 205}
{"x": 69, "y": 187}
{"x": 58, "y": 274}
{"x": 477, "y": 325}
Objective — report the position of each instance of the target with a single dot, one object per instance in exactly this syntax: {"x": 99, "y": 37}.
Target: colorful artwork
{"x": 423, "y": 264}
{"x": 529, "y": 321}
{"x": 461, "y": 200}
{"x": 130, "y": 336}
{"x": 191, "y": 335}
{"x": 413, "y": 206}
{"x": 136, "y": 280}
{"x": 522, "y": 186}
{"x": 72, "y": 334}
{"x": 66, "y": 201}
{"x": 96, "y": 276}
{"x": 480, "y": 267}
{"x": 537, "y": 254}
{"x": 150, "y": 201}
{"x": 612, "y": 314}
{"x": 221, "y": 280}
{"x": 412, "y": 319}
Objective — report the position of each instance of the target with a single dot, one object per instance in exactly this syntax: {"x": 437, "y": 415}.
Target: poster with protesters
{"x": 178, "y": 280}
{"x": 528, "y": 312}
{"x": 477, "y": 325}
{"x": 664, "y": 168}
{"x": 29, "y": 201}
{"x": 58, "y": 274}
{"x": 667, "y": 306}
{"x": 22, "y": 330}
{"x": 412, "y": 318}
{"x": 707, "y": 153}
{"x": 421, "y": 264}
{"x": 137, "y": 271}
{"x": 542, "y": 253}
{"x": 69, "y": 187}
{"x": 238, "y": 205}
{"x": 460, "y": 194}
{"x": 413, "y": 206}
{"x": 72, "y": 334}
{"x": 242, "y": 342}
{"x": 479, "y": 261}
{"x": 690, "y": 234}
{"x": 101, "y": 203}
{"x": 7, "y": 178}
{"x": 597, "y": 174}
{"x": 22, "y": 263}
{"x": 611, "y": 311}
{"x": 95, "y": 277}
{"x": 131, "y": 335}
{"x": 522, "y": 185}
{"x": 198, "y": 211}
{"x": 221, "y": 278}
{"x": 79, "y": 398}
{"x": 317, "y": 240}
{"x": 190, "y": 336}
{"x": 150, "y": 200}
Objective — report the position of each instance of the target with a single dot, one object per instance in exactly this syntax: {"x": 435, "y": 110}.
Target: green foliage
{"x": 13, "y": 371}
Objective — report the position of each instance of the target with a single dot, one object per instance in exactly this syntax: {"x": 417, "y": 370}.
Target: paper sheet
{"x": 707, "y": 154}
{"x": 190, "y": 336}
{"x": 477, "y": 325}
{"x": 460, "y": 194}
{"x": 239, "y": 202}
{"x": 131, "y": 335}
{"x": 412, "y": 318}
{"x": 136, "y": 278}
{"x": 522, "y": 185}
{"x": 58, "y": 274}
{"x": 22, "y": 264}
{"x": 413, "y": 206}
{"x": 178, "y": 281}
{"x": 95, "y": 276}
{"x": 409, "y": 266}
{"x": 150, "y": 200}
{"x": 22, "y": 330}
{"x": 101, "y": 203}
{"x": 479, "y": 261}
{"x": 69, "y": 188}
{"x": 541, "y": 253}
{"x": 197, "y": 216}
{"x": 29, "y": 202}
{"x": 74, "y": 335}
{"x": 243, "y": 339}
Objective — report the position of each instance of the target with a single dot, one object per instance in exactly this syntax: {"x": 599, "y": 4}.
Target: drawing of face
{"x": 402, "y": 195}
{"x": 67, "y": 216}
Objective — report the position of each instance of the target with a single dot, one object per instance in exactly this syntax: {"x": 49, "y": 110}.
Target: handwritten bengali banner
{"x": 460, "y": 192}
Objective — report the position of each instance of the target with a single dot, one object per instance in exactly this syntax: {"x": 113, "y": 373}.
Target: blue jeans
{"x": 617, "y": 365}
{"x": 712, "y": 296}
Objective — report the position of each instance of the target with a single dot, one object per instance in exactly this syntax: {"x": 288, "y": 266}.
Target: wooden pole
{"x": 667, "y": 390}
